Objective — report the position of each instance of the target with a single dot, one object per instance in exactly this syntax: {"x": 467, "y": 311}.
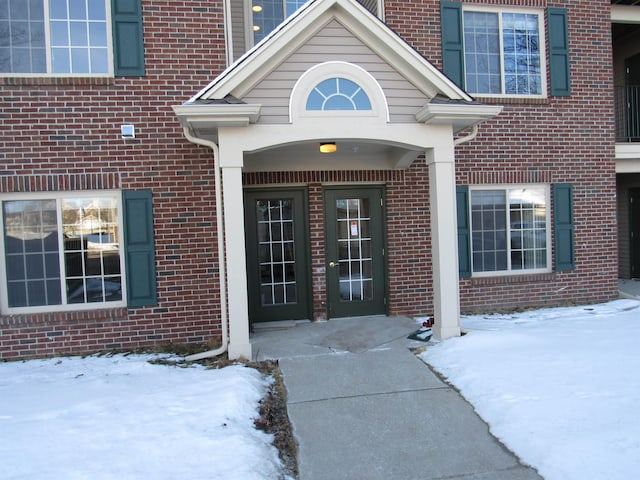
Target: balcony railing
{"x": 627, "y": 114}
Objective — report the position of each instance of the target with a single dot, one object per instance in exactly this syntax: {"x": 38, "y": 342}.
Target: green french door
{"x": 355, "y": 265}
{"x": 277, "y": 255}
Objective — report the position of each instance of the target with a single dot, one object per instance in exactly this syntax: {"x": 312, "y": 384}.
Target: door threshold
{"x": 277, "y": 325}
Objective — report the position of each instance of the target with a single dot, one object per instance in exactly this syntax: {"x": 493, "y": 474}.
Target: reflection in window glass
{"x": 91, "y": 250}
{"x": 509, "y": 229}
{"x": 354, "y": 249}
{"x": 22, "y": 37}
{"x": 77, "y": 32}
{"x": 276, "y": 252}
{"x": 268, "y": 14}
{"x": 31, "y": 253}
{"x": 62, "y": 251}
{"x": 502, "y": 53}
{"x": 482, "y": 52}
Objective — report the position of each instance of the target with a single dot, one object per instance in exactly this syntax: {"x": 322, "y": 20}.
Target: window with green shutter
{"x": 71, "y": 38}
{"x": 496, "y": 52}
{"x": 66, "y": 251}
{"x": 503, "y": 230}
{"x": 507, "y": 230}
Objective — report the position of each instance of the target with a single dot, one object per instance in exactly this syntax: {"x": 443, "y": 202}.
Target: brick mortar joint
{"x": 28, "y": 183}
{"x": 512, "y": 279}
{"x": 63, "y": 318}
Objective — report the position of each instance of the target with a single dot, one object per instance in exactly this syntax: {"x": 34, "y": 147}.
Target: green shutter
{"x": 559, "y": 52}
{"x": 128, "y": 46}
{"x": 452, "y": 46}
{"x": 464, "y": 231}
{"x": 563, "y": 226}
{"x": 139, "y": 248}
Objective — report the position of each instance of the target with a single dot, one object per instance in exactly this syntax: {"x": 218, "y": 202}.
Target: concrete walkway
{"x": 629, "y": 288}
{"x": 364, "y": 407}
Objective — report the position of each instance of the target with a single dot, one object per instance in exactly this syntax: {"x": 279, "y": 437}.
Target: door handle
{"x": 333, "y": 264}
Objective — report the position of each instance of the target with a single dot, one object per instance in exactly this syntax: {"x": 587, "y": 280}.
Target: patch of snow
{"x": 103, "y": 418}
{"x": 560, "y": 387}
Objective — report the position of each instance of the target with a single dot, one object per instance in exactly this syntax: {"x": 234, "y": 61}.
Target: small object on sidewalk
{"x": 424, "y": 333}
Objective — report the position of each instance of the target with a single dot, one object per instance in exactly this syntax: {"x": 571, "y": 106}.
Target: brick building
{"x": 162, "y": 179}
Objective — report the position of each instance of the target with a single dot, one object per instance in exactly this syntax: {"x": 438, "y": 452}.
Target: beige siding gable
{"x": 334, "y": 43}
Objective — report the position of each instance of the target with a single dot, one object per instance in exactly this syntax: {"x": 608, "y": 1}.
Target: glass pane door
{"x": 277, "y": 257}
{"x": 355, "y": 267}
{"x": 354, "y": 249}
{"x": 276, "y": 251}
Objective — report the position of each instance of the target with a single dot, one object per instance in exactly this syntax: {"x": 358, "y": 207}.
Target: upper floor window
{"x": 503, "y": 52}
{"x": 252, "y": 20}
{"x": 268, "y": 14}
{"x": 338, "y": 94}
{"x": 55, "y": 37}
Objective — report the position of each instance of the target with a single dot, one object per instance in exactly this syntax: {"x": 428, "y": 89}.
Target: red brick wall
{"x": 409, "y": 242}
{"x": 561, "y": 139}
{"x": 63, "y": 134}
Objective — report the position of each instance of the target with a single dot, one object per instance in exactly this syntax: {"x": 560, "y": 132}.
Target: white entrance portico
{"x": 271, "y": 110}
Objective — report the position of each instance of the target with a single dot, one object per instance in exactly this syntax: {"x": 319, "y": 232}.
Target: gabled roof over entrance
{"x": 241, "y": 76}
{"x": 230, "y": 100}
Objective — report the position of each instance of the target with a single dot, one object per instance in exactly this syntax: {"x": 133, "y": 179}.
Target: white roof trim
{"x": 217, "y": 115}
{"x": 625, "y": 14}
{"x": 249, "y": 69}
{"x": 459, "y": 115}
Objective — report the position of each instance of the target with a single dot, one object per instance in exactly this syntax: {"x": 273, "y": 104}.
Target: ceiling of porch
{"x": 350, "y": 155}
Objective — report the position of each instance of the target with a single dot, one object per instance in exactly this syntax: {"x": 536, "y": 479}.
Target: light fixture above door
{"x": 328, "y": 147}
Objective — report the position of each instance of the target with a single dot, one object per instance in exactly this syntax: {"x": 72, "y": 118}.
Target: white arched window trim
{"x": 316, "y": 74}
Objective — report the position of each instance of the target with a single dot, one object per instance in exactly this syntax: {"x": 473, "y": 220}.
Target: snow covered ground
{"x": 560, "y": 387}
{"x": 121, "y": 417}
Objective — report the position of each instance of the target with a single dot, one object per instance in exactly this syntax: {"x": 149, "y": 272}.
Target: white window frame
{"x": 510, "y": 271}
{"x": 63, "y": 307}
{"x": 542, "y": 45}
{"x": 48, "y": 49}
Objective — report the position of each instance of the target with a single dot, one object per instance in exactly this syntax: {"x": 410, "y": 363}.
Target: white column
{"x": 231, "y": 162}
{"x": 444, "y": 239}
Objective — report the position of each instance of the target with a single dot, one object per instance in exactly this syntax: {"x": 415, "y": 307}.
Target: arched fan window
{"x": 338, "y": 94}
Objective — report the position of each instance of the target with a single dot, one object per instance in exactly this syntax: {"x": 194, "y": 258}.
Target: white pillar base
{"x": 239, "y": 350}
{"x": 442, "y": 332}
